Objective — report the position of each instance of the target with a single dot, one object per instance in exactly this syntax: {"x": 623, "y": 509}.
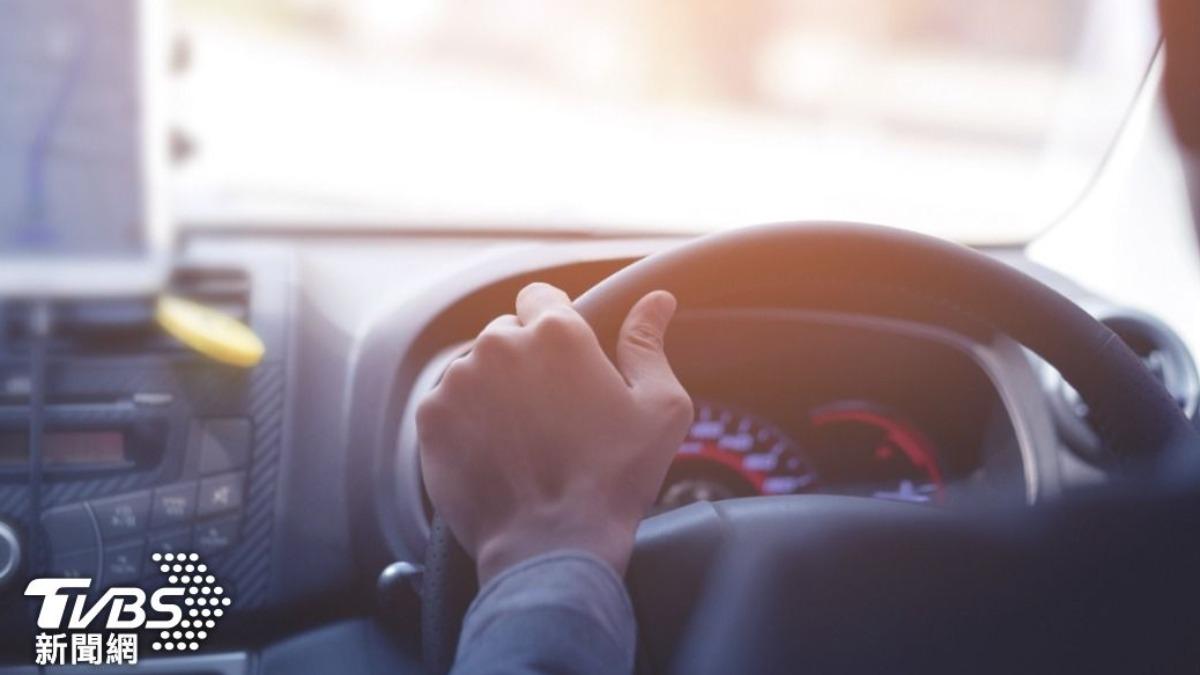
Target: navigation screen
{"x": 70, "y": 132}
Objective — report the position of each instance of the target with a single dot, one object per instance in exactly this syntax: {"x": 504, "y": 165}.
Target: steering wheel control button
{"x": 224, "y": 444}
{"x": 78, "y": 564}
{"x": 177, "y": 540}
{"x": 10, "y": 553}
{"x": 220, "y": 494}
{"x": 173, "y": 504}
{"x": 122, "y": 516}
{"x": 215, "y": 536}
{"x": 123, "y": 564}
{"x": 70, "y": 528}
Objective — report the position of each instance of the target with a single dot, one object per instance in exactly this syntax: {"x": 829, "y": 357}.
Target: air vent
{"x": 1165, "y": 356}
{"x": 126, "y": 327}
{"x": 226, "y": 289}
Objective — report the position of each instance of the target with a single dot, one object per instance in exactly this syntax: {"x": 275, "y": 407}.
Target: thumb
{"x": 640, "y": 356}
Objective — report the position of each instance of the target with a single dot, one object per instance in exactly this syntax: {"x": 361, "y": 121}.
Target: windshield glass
{"x": 981, "y": 121}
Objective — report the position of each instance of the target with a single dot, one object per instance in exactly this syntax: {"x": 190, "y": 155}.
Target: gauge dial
{"x": 867, "y": 449}
{"x": 729, "y": 453}
{"x": 849, "y": 447}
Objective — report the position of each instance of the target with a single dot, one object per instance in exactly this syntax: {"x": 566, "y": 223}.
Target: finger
{"x": 498, "y": 325}
{"x": 640, "y": 355}
{"x": 496, "y": 339}
{"x": 501, "y": 324}
{"x": 538, "y": 298}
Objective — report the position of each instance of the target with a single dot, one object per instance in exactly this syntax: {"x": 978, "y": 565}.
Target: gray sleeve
{"x": 560, "y": 612}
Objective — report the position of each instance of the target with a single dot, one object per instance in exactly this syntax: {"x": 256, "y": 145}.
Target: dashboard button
{"x": 178, "y": 540}
{"x": 173, "y": 504}
{"x": 123, "y": 564}
{"x": 76, "y": 565}
{"x": 124, "y": 515}
{"x": 70, "y": 528}
{"x": 224, "y": 444}
{"x": 220, "y": 494}
{"x": 215, "y": 536}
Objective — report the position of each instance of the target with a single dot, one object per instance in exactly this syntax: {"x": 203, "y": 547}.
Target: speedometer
{"x": 850, "y": 447}
{"x": 730, "y": 453}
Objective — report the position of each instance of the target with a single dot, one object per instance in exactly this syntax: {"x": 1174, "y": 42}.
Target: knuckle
{"x": 559, "y": 325}
{"x": 532, "y": 287}
{"x": 492, "y": 343}
{"x": 681, "y": 404}
{"x": 675, "y": 404}
{"x": 453, "y": 380}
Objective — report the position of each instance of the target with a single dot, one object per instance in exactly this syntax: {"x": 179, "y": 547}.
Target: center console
{"x": 147, "y": 446}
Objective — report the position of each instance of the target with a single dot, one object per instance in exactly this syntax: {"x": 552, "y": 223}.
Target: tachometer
{"x": 849, "y": 447}
{"x": 729, "y": 453}
{"x": 867, "y": 449}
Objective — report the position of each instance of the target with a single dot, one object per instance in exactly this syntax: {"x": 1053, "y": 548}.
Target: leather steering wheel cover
{"x": 677, "y": 550}
{"x": 447, "y": 588}
{"x": 875, "y": 269}
{"x": 1131, "y": 408}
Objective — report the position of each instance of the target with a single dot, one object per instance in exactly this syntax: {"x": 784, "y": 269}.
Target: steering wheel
{"x": 849, "y": 267}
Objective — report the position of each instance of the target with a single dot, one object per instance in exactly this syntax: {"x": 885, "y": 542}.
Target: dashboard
{"x": 851, "y": 446}
{"x": 793, "y": 402}
{"x": 312, "y": 456}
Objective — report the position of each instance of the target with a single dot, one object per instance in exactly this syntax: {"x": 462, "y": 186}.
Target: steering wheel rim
{"x": 862, "y": 268}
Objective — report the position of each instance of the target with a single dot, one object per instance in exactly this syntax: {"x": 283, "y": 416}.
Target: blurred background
{"x": 982, "y": 121}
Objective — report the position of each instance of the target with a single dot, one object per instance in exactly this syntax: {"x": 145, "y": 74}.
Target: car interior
{"x": 937, "y": 271}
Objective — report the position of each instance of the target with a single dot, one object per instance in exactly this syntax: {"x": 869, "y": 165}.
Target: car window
{"x": 979, "y": 120}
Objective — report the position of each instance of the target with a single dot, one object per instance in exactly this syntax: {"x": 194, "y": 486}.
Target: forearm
{"x": 561, "y": 612}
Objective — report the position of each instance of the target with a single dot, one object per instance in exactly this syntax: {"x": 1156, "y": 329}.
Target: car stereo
{"x": 149, "y": 453}
{"x": 84, "y": 439}
{"x": 147, "y": 446}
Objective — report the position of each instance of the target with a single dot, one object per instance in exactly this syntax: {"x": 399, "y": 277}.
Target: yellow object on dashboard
{"x": 210, "y": 332}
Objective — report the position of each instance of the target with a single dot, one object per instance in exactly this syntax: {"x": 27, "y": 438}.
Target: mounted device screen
{"x": 78, "y": 199}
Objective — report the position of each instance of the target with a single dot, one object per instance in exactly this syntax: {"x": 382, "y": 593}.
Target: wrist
{"x": 610, "y": 543}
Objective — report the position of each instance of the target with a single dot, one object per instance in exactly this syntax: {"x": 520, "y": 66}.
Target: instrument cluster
{"x": 850, "y": 446}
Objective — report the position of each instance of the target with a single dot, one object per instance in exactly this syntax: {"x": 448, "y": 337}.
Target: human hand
{"x": 536, "y": 441}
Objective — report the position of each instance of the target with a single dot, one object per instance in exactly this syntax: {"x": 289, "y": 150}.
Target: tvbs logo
{"x": 182, "y": 613}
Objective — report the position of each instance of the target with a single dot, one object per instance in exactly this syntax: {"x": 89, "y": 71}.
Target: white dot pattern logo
{"x": 203, "y": 597}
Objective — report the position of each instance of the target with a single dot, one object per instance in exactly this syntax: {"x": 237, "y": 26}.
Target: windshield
{"x": 981, "y": 121}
